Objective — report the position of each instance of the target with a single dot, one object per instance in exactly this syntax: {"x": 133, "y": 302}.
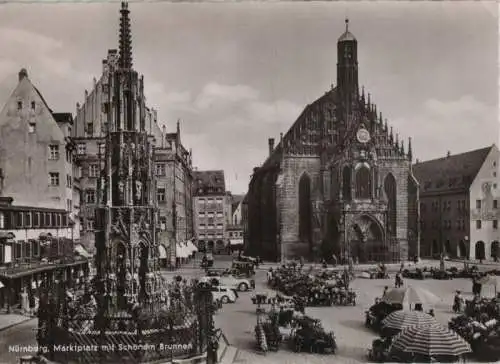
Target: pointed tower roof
{"x": 347, "y": 36}
{"x": 410, "y": 152}
{"x": 125, "y": 37}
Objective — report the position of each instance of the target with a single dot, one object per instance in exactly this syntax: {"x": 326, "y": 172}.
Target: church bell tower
{"x": 347, "y": 63}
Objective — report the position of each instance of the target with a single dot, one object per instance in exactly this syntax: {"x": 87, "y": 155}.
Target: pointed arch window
{"x": 346, "y": 183}
{"x": 363, "y": 183}
{"x": 391, "y": 193}
{"x": 305, "y": 209}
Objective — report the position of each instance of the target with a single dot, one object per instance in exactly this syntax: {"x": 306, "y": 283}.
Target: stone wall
{"x": 292, "y": 170}
{"x": 400, "y": 169}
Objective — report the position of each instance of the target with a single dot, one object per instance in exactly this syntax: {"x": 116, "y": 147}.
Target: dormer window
{"x": 19, "y": 105}
{"x": 33, "y": 105}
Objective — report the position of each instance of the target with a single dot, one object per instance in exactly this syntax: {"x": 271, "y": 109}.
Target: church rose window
{"x": 363, "y": 183}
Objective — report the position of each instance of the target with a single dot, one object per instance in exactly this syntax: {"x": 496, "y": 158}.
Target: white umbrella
{"x": 411, "y": 296}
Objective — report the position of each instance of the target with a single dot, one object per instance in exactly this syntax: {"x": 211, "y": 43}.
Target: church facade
{"x": 339, "y": 181}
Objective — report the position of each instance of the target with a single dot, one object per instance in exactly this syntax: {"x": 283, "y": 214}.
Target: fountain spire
{"x": 125, "y": 37}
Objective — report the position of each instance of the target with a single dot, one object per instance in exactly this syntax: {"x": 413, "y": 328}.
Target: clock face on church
{"x": 363, "y": 135}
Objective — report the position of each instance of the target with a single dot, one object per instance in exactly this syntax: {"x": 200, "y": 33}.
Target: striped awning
{"x": 192, "y": 248}
{"x": 181, "y": 251}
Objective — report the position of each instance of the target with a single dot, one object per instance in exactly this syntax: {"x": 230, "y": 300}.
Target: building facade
{"x": 35, "y": 251}
{"x": 174, "y": 191}
{"x": 339, "y": 181}
{"x": 210, "y": 210}
{"x": 459, "y": 197}
{"x": 39, "y": 217}
{"x": 235, "y": 227}
{"x": 90, "y": 127}
{"x": 36, "y": 152}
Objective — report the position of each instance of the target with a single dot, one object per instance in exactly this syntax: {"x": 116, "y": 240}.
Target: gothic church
{"x": 339, "y": 181}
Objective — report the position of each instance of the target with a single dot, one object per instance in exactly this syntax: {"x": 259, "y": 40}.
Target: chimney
{"x": 23, "y": 74}
{"x": 448, "y": 154}
{"x": 271, "y": 146}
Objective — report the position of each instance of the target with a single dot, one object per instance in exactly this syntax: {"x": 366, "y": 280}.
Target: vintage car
{"x": 240, "y": 284}
{"x": 417, "y": 273}
{"x": 243, "y": 268}
{"x": 224, "y": 294}
{"x": 246, "y": 258}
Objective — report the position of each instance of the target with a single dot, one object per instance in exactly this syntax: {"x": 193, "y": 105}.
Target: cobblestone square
{"x": 353, "y": 339}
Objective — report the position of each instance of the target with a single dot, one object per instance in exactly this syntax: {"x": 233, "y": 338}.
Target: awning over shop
{"x": 45, "y": 236}
{"x": 236, "y": 241}
{"x": 162, "y": 251}
{"x": 192, "y": 248}
{"x": 1, "y": 285}
{"x": 181, "y": 251}
{"x": 82, "y": 251}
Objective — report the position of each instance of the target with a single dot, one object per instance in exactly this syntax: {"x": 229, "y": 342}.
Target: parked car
{"x": 224, "y": 294}
{"x": 240, "y": 284}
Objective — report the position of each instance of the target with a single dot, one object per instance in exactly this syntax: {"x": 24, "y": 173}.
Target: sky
{"x": 237, "y": 74}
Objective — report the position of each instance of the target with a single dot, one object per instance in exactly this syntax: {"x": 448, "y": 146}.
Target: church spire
{"x": 125, "y": 38}
{"x": 410, "y": 153}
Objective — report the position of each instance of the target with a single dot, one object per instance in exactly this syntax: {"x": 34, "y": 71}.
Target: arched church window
{"x": 391, "y": 193}
{"x": 305, "y": 209}
{"x": 363, "y": 183}
{"x": 346, "y": 183}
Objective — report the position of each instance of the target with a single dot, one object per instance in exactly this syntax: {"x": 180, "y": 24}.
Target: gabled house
{"x": 459, "y": 210}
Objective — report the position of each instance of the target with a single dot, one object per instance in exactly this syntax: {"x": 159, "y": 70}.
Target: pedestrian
{"x": 386, "y": 288}
{"x": 269, "y": 275}
{"x": 398, "y": 281}
{"x": 334, "y": 259}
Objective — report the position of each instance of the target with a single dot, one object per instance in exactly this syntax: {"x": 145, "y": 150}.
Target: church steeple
{"x": 347, "y": 62}
{"x": 125, "y": 37}
{"x": 410, "y": 152}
